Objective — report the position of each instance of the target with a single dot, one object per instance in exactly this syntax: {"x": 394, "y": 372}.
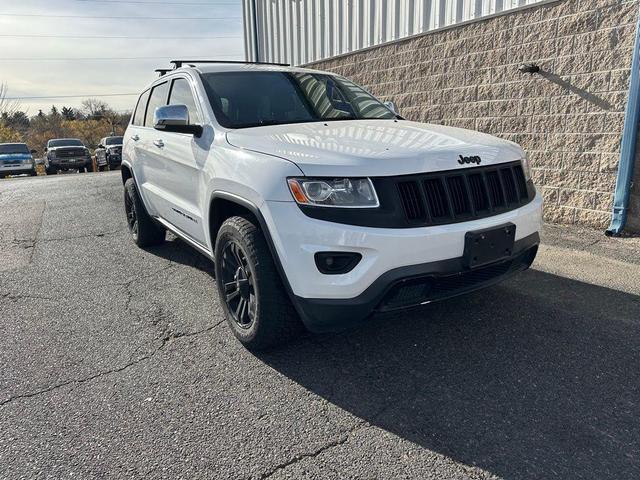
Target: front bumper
{"x": 20, "y": 169}
{"x": 406, "y": 251}
{"x": 414, "y": 285}
{"x": 77, "y": 162}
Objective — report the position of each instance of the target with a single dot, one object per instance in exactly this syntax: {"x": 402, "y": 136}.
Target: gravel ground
{"x": 115, "y": 363}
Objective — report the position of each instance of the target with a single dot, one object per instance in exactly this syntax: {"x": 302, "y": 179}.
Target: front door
{"x": 180, "y": 161}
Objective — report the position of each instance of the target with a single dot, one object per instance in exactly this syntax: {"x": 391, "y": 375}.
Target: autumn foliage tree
{"x": 93, "y": 121}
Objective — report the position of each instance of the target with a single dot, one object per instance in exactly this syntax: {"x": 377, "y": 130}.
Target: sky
{"x": 40, "y": 62}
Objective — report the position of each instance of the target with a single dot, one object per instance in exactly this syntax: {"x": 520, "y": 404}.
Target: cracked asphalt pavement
{"x": 115, "y": 362}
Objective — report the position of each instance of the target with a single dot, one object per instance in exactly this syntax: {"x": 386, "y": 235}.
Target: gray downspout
{"x": 628, "y": 145}
{"x": 255, "y": 30}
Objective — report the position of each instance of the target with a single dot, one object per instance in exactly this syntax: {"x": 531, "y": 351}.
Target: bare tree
{"x": 95, "y": 108}
{"x": 7, "y": 106}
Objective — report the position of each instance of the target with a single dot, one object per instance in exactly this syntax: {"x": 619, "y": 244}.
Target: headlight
{"x": 334, "y": 192}
{"x": 525, "y": 167}
{"x": 52, "y": 154}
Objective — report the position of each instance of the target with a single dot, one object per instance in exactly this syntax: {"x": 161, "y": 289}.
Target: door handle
{"x": 135, "y": 138}
{"x": 158, "y": 143}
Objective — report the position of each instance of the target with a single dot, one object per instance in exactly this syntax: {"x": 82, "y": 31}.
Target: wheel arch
{"x": 126, "y": 172}
{"x": 224, "y": 205}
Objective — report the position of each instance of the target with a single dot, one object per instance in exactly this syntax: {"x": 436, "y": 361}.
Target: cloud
{"x": 41, "y": 78}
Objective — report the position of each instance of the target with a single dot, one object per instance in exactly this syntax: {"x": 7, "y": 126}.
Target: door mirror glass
{"x": 391, "y": 106}
{"x": 174, "y": 118}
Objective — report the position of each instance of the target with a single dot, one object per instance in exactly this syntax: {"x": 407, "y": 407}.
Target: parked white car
{"x": 318, "y": 203}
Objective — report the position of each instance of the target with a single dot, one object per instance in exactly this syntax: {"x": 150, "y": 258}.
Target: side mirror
{"x": 391, "y": 106}
{"x": 175, "y": 118}
{"x": 100, "y": 146}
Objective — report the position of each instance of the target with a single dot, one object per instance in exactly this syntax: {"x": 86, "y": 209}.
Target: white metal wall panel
{"x": 302, "y": 31}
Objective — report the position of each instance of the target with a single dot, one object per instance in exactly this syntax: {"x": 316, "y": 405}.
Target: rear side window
{"x": 181, "y": 95}
{"x": 138, "y": 117}
{"x": 158, "y": 98}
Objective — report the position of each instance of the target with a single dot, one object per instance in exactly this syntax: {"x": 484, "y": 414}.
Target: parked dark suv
{"x": 67, "y": 154}
{"x": 109, "y": 153}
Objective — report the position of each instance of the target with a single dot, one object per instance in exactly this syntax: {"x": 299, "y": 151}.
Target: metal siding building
{"x": 456, "y": 62}
{"x": 303, "y": 31}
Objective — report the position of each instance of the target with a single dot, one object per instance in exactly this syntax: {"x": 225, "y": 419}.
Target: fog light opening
{"x": 336, "y": 263}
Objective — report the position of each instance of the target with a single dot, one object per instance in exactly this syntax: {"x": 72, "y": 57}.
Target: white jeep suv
{"x": 318, "y": 204}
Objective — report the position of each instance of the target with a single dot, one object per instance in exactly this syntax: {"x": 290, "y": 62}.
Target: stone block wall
{"x": 569, "y": 117}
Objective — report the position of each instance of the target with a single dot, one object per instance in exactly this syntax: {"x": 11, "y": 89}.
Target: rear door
{"x": 131, "y": 149}
{"x": 182, "y": 160}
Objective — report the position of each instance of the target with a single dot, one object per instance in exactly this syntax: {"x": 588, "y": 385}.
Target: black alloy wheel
{"x": 238, "y": 285}
{"x": 132, "y": 216}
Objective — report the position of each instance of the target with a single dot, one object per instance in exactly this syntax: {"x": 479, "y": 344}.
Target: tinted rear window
{"x": 13, "y": 148}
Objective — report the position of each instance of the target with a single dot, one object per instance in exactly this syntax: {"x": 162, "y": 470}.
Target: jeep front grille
{"x": 437, "y": 198}
{"x": 463, "y": 194}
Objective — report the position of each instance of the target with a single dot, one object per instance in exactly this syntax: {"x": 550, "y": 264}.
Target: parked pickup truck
{"x": 67, "y": 154}
{"x": 109, "y": 153}
{"x": 16, "y": 159}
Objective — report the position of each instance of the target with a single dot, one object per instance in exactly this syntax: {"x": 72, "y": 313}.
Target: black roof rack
{"x": 163, "y": 71}
{"x": 179, "y": 63}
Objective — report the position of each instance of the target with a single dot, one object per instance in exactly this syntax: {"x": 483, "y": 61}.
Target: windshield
{"x": 250, "y": 99}
{"x": 65, "y": 142}
{"x": 113, "y": 141}
{"x": 9, "y": 148}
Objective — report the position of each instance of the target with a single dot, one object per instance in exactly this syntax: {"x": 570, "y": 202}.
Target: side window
{"x": 158, "y": 98}
{"x": 138, "y": 116}
{"x": 181, "y": 95}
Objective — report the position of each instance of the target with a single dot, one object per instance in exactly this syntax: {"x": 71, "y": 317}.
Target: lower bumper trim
{"x": 413, "y": 285}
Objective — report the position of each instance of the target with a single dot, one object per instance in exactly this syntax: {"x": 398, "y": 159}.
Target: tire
{"x": 33, "y": 173}
{"x": 144, "y": 231}
{"x": 244, "y": 263}
{"x": 51, "y": 171}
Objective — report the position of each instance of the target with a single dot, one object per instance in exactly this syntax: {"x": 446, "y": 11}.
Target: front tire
{"x": 256, "y": 306}
{"x": 144, "y": 231}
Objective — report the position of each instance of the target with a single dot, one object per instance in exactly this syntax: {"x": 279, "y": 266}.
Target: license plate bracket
{"x": 482, "y": 247}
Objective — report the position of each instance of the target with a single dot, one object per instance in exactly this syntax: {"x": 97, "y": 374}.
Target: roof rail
{"x": 179, "y": 63}
{"x": 162, "y": 71}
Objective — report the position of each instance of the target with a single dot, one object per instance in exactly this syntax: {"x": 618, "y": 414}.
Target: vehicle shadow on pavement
{"x": 535, "y": 378}
{"x": 176, "y": 251}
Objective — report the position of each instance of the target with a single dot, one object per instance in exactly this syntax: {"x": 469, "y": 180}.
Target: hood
{"x": 374, "y": 147}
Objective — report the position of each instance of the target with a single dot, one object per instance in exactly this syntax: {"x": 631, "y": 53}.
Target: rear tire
{"x": 144, "y": 231}
{"x": 254, "y": 300}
